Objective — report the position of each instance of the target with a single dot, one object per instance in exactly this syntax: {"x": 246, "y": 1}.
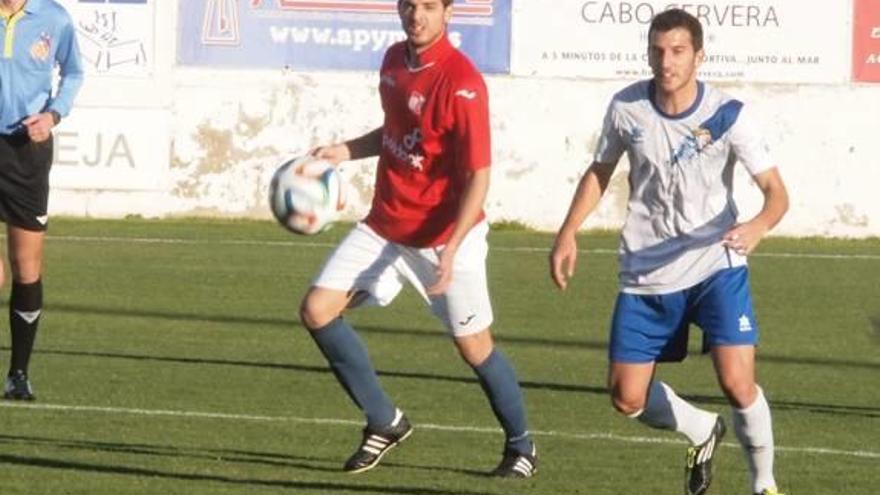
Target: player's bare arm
{"x": 370, "y": 144}
{"x": 745, "y": 237}
{"x": 590, "y": 189}
{"x": 471, "y": 205}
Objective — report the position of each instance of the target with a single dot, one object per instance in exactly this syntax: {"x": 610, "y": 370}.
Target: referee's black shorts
{"x": 24, "y": 181}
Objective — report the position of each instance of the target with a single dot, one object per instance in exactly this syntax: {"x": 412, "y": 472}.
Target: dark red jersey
{"x": 435, "y": 133}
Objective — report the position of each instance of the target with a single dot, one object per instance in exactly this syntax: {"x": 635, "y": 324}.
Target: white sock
{"x": 754, "y": 429}
{"x": 666, "y": 410}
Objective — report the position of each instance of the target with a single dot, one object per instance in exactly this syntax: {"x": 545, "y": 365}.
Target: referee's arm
{"x": 71, "y": 71}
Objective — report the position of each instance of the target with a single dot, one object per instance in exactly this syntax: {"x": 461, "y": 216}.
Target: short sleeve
{"x": 611, "y": 145}
{"x": 748, "y": 144}
{"x": 470, "y": 107}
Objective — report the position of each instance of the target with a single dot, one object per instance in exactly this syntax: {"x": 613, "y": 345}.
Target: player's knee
{"x": 313, "y": 314}
{"x": 25, "y": 269}
{"x": 475, "y": 349}
{"x": 740, "y": 393}
{"x": 626, "y": 403}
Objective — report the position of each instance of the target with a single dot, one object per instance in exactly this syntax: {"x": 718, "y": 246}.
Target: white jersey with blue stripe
{"x": 681, "y": 184}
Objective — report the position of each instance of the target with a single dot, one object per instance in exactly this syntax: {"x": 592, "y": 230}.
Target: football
{"x": 306, "y": 195}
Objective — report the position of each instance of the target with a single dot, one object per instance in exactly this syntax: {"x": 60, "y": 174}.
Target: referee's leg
{"x": 25, "y": 248}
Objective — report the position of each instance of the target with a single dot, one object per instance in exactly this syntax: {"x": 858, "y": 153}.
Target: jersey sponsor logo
{"x": 745, "y": 325}
{"x": 42, "y": 47}
{"x": 416, "y": 102}
{"x": 465, "y": 93}
{"x": 407, "y": 151}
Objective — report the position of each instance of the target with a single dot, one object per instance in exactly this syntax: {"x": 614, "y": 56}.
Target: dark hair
{"x": 678, "y": 18}
{"x": 446, "y": 3}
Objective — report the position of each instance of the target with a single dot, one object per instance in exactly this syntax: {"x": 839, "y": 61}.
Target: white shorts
{"x": 368, "y": 263}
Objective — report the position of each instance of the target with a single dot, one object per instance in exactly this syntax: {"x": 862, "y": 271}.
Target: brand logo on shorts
{"x": 42, "y": 219}
{"x": 745, "y": 325}
{"x": 467, "y": 320}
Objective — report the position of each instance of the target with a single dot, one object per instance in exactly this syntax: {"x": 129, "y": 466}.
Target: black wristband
{"x": 56, "y": 117}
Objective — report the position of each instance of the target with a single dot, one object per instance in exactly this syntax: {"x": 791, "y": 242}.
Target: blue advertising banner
{"x": 328, "y": 34}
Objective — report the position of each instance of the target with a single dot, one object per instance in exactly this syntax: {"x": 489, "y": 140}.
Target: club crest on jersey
{"x": 416, "y": 102}
{"x": 702, "y": 138}
{"x": 42, "y": 47}
{"x": 692, "y": 146}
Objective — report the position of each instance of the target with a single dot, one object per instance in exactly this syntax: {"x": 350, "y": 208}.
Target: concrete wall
{"x": 205, "y": 142}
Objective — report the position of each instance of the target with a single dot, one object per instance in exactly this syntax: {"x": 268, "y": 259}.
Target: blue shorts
{"x": 654, "y": 327}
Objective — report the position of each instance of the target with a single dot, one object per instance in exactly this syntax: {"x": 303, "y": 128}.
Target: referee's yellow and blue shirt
{"x": 34, "y": 40}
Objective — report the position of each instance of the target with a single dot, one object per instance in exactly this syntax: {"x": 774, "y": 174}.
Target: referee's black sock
{"x": 25, "y": 306}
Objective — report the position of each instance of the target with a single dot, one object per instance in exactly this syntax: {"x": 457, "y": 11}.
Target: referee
{"x": 36, "y": 36}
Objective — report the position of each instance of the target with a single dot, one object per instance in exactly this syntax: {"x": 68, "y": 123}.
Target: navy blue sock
{"x": 505, "y": 396}
{"x": 347, "y": 356}
{"x": 25, "y": 305}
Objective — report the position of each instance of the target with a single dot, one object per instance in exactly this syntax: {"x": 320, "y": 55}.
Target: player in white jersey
{"x": 683, "y": 251}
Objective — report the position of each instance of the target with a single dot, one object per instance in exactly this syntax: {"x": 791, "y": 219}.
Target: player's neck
{"x": 10, "y": 7}
{"x": 414, "y": 52}
{"x": 678, "y": 100}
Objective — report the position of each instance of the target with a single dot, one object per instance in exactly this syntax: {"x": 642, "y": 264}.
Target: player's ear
{"x": 701, "y": 56}
{"x": 447, "y": 13}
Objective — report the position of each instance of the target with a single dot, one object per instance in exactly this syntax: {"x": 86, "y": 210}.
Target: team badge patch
{"x": 416, "y": 102}
{"x": 702, "y": 138}
{"x": 42, "y": 47}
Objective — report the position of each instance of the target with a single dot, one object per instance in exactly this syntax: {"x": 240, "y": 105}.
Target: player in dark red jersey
{"x": 426, "y": 227}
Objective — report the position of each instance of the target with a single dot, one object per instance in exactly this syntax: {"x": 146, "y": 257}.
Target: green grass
{"x": 136, "y": 332}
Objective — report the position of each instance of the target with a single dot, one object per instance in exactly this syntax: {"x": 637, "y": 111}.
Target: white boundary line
{"x": 866, "y": 454}
{"x": 245, "y": 242}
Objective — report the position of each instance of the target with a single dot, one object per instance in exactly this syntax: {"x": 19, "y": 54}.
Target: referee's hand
{"x": 39, "y": 126}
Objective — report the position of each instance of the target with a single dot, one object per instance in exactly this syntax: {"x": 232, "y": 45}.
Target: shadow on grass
{"x": 221, "y": 456}
{"x": 304, "y": 368}
{"x": 430, "y": 334}
{"x": 875, "y": 324}
{"x": 275, "y": 459}
{"x": 834, "y": 409}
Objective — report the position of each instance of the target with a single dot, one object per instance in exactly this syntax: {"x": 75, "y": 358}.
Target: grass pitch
{"x": 170, "y": 360}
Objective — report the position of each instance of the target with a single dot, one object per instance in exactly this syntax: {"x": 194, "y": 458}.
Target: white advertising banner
{"x": 112, "y": 150}
{"x": 115, "y": 36}
{"x": 785, "y": 41}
